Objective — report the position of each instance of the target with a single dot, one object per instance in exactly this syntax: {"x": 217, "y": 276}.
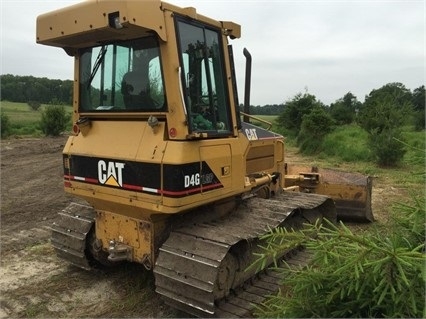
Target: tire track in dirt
{"x": 33, "y": 281}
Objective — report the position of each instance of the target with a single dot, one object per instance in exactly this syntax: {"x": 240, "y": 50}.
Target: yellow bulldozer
{"x": 173, "y": 174}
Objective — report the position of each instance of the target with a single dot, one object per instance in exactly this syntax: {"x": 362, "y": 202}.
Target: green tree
{"x": 292, "y": 116}
{"x": 315, "y": 126}
{"x": 34, "y": 105}
{"x": 387, "y": 147}
{"x": 28, "y": 88}
{"x": 382, "y": 115}
{"x": 54, "y": 120}
{"x": 385, "y": 108}
{"x": 37, "y": 91}
{"x": 418, "y": 101}
{"x": 344, "y": 110}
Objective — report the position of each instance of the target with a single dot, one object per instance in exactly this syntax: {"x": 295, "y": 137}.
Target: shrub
{"x": 419, "y": 100}
{"x": 387, "y": 147}
{"x": 54, "y": 120}
{"x": 315, "y": 126}
{"x": 378, "y": 274}
{"x": 383, "y": 114}
{"x": 416, "y": 148}
{"x": 34, "y": 105}
{"x": 56, "y": 101}
{"x": 387, "y": 107}
{"x": 5, "y": 125}
{"x": 294, "y": 110}
{"x": 343, "y": 111}
{"x": 420, "y": 120}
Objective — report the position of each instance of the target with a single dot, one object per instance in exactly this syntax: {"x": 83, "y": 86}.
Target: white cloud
{"x": 331, "y": 47}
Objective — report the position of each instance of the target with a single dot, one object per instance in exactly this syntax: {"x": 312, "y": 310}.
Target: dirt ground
{"x": 33, "y": 282}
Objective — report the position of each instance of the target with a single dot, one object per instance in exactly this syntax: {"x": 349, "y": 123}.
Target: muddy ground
{"x": 34, "y": 283}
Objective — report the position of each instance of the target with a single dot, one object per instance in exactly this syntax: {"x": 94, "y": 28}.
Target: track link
{"x": 242, "y": 301}
{"x": 194, "y": 271}
{"x": 69, "y": 234}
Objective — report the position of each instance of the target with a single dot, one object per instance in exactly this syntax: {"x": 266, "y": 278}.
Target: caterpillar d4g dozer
{"x": 173, "y": 178}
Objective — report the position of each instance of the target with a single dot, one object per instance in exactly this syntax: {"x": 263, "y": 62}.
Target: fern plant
{"x": 379, "y": 273}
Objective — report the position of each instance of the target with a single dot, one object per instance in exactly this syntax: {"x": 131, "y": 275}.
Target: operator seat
{"x": 135, "y": 90}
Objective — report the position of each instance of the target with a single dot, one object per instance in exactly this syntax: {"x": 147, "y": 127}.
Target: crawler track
{"x": 70, "y": 234}
{"x": 241, "y": 302}
{"x": 201, "y": 268}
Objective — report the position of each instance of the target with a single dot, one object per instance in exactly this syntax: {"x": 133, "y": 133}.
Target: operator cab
{"x": 163, "y": 61}
{"x": 127, "y": 77}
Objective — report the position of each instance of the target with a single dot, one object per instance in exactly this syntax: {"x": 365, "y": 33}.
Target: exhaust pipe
{"x": 247, "y": 85}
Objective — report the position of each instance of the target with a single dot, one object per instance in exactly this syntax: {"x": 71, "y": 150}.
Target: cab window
{"x": 124, "y": 76}
{"x": 203, "y": 77}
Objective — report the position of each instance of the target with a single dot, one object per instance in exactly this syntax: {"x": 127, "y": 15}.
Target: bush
{"x": 294, "y": 110}
{"x": 387, "y": 147}
{"x": 419, "y": 120}
{"x": 419, "y": 100}
{"x": 54, "y": 120}
{"x": 5, "y": 125}
{"x": 378, "y": 274}
{"x": 383, "y": 114}
{"x": 385, "y": 108}
{"x": 315, "y": 126}
{"x": 34, "y": 105}
{"x": 416, "y": 148}
{"x": 343, "y": 111}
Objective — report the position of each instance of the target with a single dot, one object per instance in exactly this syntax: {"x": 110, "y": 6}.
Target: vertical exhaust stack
{"x": 247, "y": 85}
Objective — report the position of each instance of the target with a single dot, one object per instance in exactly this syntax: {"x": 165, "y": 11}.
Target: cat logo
{"x": 251, "y": 134}
{"x": 110, "y": 173}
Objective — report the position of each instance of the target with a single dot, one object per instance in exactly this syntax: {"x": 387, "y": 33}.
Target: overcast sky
{"x": 325, "y": 47}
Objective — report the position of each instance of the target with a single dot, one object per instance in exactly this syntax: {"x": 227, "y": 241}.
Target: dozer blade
{"x": 350, "y": 191}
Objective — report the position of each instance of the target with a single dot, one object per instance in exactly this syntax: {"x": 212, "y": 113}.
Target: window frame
{"x": 210, "y": 76}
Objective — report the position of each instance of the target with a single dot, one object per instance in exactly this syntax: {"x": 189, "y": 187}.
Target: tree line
{"x": 304, "y": 117}
{"x": 344, "y": 109}
{"x": 383, "y": 114}
{"x": 25, "y": 89}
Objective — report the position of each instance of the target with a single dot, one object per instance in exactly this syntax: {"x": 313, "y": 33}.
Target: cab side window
{"x": 204, "y": 78}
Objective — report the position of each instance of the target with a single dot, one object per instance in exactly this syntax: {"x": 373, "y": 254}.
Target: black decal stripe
{"x": 144, "y": 177}
{"x": 191, "y": 191}
{"x": 141, "y": 189}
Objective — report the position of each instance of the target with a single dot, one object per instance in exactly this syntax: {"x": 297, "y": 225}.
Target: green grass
{"x": 23, "y": 120}
{"x": 416, "y": 145}
{"x": 267, "y": 118}
{"x": 20, "y": 112}
{"x": 346, "y": 149}
{"x": 348, "y": 142}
